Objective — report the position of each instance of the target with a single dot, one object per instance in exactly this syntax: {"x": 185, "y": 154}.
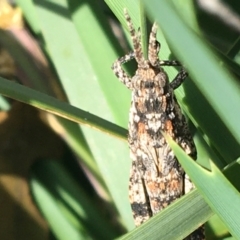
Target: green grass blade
{"x": 217, "y": 191}
{"x": 84, "y": 69}
{"x": 176, "y": 221}
{"x": 60, "y": 226}
{"x": 216, "y": 229}
{"x": 132, "y": 7}
{"x": 143, "y": 29}
{"x": 69, "y": 210}
{"x": 62, "y": 109}
{"x": 232, "y": 173}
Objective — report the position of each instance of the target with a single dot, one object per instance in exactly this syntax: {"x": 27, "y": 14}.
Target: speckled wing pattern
{"x": 156, "y": 177}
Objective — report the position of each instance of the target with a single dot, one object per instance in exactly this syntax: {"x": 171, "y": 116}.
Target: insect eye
{"x": 160, "y": 79}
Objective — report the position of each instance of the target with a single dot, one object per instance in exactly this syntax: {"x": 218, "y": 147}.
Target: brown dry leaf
{"x": 10, "y": 17}
{"x": 24, "y": 138}
{"x": 7, "y": 65}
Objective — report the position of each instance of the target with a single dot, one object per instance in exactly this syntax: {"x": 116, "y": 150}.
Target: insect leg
{"x": 119, "y": 72}
{"x": 178, "y": 80}
{"x": 169, "y": 63}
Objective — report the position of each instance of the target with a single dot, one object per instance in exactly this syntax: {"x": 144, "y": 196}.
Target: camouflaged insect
{"x": 156, "y": 177}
